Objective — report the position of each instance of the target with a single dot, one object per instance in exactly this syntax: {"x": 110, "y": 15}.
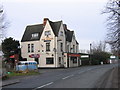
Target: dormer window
{"x": 47, "y": 33}
{"x": 61, "y": 33}
{"x": 35, "y": 36}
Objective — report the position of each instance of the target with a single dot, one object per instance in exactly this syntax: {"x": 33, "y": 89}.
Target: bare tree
{"x": 98, "y": 47}
{"x": 3, "y": 23}
{"x": 113, "y": 24}
{"x": 98, "y": 53}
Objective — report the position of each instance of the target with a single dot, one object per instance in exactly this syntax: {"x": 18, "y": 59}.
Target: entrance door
{"x": 37, "y": 60}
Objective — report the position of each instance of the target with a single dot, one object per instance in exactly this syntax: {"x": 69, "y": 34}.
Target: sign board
{"x": 74, "y": 55}
{"x": 48, "y": 38}
{"x": 112, "y": 56}
{"x": 12, "y": 56}
{"x": 34, "y": 56}
{"x": 84, "y": 56}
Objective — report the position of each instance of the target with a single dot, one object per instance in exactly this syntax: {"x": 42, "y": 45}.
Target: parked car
{"x": 26, "y": 65}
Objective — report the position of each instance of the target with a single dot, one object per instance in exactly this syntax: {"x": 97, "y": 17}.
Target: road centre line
{"x": 86, "y": 70}
{"x": 81, "y": 72}
{"x": 67, "y": 76}
{"x": 44, "y": 85}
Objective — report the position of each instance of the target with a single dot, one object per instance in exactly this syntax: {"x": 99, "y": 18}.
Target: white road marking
{"x": 45, "y": 85}
{"x": 86, "y": 70}
{"x": 89, "y": 69}
{"x": 67, "y": 76}
{"x": 81, "y": 72}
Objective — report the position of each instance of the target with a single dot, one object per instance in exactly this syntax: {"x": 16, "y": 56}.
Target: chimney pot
{"x": 45, "y": 21}
{"x": 65, "y": 26}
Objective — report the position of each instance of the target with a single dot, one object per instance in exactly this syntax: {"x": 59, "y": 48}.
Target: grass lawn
{"x": 22, "y": 74}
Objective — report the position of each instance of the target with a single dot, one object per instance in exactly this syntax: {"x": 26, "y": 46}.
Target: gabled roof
{"x": 55, "y": 26}
{"x": 31, "y": 29}
{"x": 68, "y": 33}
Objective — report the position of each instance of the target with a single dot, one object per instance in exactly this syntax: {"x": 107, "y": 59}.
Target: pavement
{"x": 110, "y": 81}
{"x": 10, "y": 82}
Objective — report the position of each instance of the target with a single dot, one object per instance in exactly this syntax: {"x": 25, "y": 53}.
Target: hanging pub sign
{"x": 34, "y": 56}
{"x": 47, "y": 39}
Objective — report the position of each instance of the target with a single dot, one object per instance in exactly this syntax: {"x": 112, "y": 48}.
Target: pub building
{"x": 51, "y": 44}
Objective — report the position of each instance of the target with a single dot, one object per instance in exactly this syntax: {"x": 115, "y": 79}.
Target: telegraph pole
{"x": 90, "y": 54}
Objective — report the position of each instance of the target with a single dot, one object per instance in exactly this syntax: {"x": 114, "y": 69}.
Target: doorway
{"x": 37, "y": 60}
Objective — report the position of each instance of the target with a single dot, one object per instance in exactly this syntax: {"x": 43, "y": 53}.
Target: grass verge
{"x": 22, "y": 74}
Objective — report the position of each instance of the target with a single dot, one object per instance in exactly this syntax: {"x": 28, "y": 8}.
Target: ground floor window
{"x": 49, "y": 61}
{"x": 74, "y": 59}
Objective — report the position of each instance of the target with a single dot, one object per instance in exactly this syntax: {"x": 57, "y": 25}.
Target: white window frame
{"x": 47, "y": 33}
{"x": 35, "y": 35}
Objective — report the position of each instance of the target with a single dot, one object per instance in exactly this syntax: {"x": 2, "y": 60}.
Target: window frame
{"x": 48, "y": 46}
{"x": 28, "y": 48}
{"x": 35, "y": 35}
{"x": 61, "y": 33}
{"x": 47, "y": 33}
{"x": 32, "y": 47}
{"x": 49, "y": 60}
{"x": 61, "y": 47}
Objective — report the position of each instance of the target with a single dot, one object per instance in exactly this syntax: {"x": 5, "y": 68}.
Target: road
{"x": 80, "y": 77}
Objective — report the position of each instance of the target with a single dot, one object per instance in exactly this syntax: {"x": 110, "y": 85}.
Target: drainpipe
{"x": 55, "y": 49}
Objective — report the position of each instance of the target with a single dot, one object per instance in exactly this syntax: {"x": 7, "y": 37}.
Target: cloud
{"x": 54, "y": 1}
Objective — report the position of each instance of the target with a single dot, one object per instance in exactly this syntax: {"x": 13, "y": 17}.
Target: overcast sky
{"x": 82, "y": 16}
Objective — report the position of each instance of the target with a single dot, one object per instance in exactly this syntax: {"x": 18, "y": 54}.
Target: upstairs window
{"x": 28, "y": 47}
{"x": 35, "y": 35}
{"x": 47, "y": 33}
{"x": 47, "y": 46}
{"x": 32, "y": 47}
{"x": 61, "y": 33}
{"x": 61, "y": 46}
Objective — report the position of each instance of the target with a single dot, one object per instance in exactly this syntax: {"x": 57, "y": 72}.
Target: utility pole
{"x": 90, "y": 54}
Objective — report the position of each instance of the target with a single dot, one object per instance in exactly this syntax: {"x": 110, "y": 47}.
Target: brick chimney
{"x": 65, "y": 26}
{"x": 45, "y": 21}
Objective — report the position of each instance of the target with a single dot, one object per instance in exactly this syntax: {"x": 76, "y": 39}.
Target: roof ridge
{"x": 55, "y": 21}
{"x": 34, "y": 24}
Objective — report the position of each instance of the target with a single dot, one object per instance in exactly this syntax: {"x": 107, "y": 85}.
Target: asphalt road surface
{"x": 80, "y": 77}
